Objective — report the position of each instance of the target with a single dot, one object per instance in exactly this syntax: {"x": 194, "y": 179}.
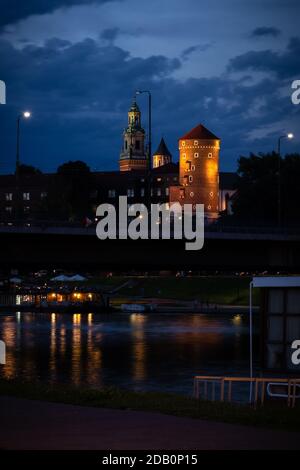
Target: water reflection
{"x": 140, "y": 351}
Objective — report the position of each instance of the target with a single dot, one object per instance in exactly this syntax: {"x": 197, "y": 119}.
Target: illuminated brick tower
{"x": 133, "y": 156}
{"x": 198, "y": 171}
{"x": 162, "y": 156}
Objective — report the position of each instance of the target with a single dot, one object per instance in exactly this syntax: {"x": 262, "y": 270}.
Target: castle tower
{"x": 133, "y": 156}
{"x": 198, "y": 170}
{"x": 162, "y": 156}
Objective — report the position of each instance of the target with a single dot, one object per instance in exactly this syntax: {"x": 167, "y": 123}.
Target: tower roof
{"x": 134, "y": 107}
{"x": 162, "y": 149}
{"x": 199, "y": 132}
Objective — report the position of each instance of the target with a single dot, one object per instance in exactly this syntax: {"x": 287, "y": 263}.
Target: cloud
{"x": 79, "y": 94}
{"x": 190, "y": 50}
{"x": 110, "y": 34}
{"x": 263, "y": 31}
{"x": 13, "y": 11}
{"x": 283, "y": 64}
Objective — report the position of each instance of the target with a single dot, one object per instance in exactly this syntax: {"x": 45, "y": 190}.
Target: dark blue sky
{"x": 76, "y": 63}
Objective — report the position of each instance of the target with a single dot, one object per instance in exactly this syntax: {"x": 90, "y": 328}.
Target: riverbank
{"x": 270, "y": 416}
{"x": 37, "y": 425}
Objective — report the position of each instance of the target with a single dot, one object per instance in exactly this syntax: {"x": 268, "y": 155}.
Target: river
{"x": 136, "y": 351}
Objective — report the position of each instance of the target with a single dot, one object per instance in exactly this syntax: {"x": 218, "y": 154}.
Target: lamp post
{"x": 140, "y": 92}
{"x": 25, "y": 115}
{"x": 285, "y": 136}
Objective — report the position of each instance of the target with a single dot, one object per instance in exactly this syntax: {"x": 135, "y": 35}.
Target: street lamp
{"x": 285, "y": 136}
{"x": 140, "y": 92}
{"x": 25, "y": 115}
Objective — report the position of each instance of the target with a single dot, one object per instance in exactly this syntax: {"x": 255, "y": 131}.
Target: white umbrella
{"x": 61, "y": 277}
{"x": 16, "y": 280}
{"x": 77, "y": 277}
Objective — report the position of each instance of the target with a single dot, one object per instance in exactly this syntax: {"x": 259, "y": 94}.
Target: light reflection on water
{"x": 137, "y": 351}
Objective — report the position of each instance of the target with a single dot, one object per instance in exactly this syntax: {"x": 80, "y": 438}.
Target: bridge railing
{"x": 216, "y": 388}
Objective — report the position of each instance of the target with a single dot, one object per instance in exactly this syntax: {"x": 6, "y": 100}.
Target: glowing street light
{"x": 25, "y": 115}
{"x": 149, "y": 166}
{"x": 289, "y": 136}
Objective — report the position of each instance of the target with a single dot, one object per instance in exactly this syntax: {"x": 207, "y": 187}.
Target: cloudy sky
{"x": 75, "y": 64}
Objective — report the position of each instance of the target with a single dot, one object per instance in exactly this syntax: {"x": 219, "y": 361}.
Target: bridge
{"x": 225, "y": 249}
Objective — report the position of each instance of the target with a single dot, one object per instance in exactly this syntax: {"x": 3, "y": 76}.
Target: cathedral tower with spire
{"x": 133, "y": 155}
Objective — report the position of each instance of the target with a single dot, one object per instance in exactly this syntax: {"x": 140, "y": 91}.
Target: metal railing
{"x": 206, "y": 387}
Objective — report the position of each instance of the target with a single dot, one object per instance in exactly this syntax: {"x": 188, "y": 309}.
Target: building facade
{"x": 198, "y": 171}
{"x": 194, "y": 180}
{"x": 162, "y": 156}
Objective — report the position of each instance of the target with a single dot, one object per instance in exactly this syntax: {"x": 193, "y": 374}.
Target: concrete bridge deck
{"x": 231, "y": 249}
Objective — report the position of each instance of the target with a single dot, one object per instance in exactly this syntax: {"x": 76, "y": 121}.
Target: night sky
{"x": 75, "y": 64}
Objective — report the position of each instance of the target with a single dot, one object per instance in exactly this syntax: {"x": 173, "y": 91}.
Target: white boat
{"x": 133, "y": 308}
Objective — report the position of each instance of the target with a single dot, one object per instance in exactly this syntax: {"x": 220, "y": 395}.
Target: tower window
{"x": 184, "y": 155}
{"x": 126, "y": 145}
{"x": 196, "y": 143}
{"x": 137, "y": 144}
{"x": 191, "y": 194}
{"x": 193, "y": 167}
{"x": 26, "y": 196}
{"x": 210, "y": 155}
{"x": 142, "y": 192}
{"x": 196, "y": 155}
{"x": 8, "y": 196}
{"x": 130, "y": 192}
{"x": 158, "y": 191}
{"x": 183, "y": 143}
{"x": 167, "y": 191}
{"x": 190, "y": 179}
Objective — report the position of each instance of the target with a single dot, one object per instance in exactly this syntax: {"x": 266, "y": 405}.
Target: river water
{"x": 136, "y": 351}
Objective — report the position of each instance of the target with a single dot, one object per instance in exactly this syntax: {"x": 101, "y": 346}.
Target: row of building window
{"x": 196, "y": 144}
{"x": 137, "y": 145}
{"x": 9, "y": 209}
{"x": 131, "y": 193}
{"x": 196, "y": 155}
{"x": 25, "y": 196}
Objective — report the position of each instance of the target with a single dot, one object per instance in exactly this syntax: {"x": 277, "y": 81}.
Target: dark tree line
{"x": 256, "y": 200}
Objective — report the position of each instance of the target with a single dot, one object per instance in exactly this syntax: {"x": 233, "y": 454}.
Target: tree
{"x": 74, "y": 182}
{"x": 256, "y": 201}
{"x": 28, "y": 170}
